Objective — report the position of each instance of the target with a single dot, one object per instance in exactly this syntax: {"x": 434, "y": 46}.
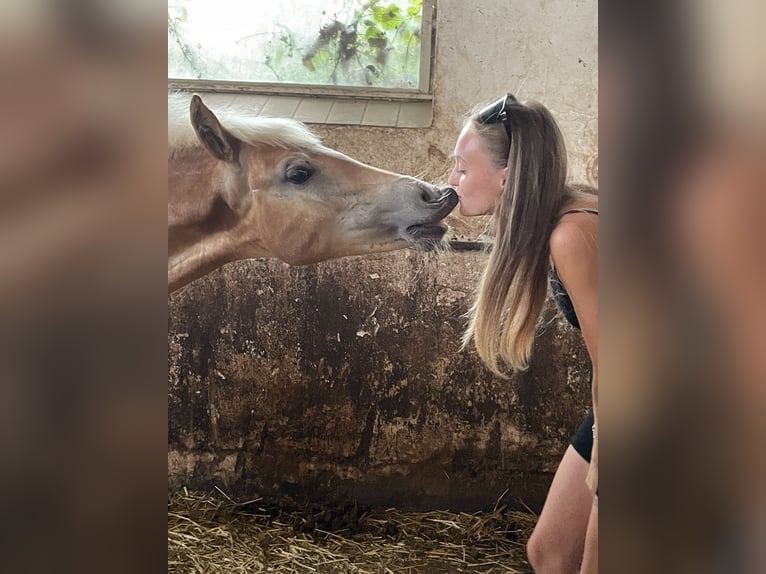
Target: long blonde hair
{"x": 513, "y": 288}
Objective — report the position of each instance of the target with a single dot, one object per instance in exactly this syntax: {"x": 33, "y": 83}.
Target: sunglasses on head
{"x": 497, "y": 112}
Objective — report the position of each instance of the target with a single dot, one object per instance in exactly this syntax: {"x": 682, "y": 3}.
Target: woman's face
{"x": 477, "y": 181}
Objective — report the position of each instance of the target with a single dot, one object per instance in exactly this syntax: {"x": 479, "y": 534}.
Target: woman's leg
{"x": 590, "y": 559}
{"x": 558, "y": 541}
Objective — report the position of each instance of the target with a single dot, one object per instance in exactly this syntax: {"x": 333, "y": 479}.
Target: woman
{"x": 511, "y": 163}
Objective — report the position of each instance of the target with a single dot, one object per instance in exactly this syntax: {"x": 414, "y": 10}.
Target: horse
{"x": 243, "y": 187}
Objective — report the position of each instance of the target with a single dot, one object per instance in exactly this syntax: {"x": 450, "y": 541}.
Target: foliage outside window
{"x": 373, "y": 43}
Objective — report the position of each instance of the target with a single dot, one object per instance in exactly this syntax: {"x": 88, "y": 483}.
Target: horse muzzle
{"x": 432, "y": 229}
{"x": 442, "y": 204}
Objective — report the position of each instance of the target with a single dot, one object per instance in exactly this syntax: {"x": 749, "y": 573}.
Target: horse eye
{"x": 299, "y": 174}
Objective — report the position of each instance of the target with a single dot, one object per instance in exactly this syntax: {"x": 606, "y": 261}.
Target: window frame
{"x": 422, "y": 93}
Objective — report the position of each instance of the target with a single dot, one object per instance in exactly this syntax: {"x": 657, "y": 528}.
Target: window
{"x": 341, "y": 47}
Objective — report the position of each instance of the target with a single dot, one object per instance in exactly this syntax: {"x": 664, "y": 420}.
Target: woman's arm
{"x": 574, "y": 250}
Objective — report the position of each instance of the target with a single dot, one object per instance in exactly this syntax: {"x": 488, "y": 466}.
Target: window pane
{"x": 335, "y": 42}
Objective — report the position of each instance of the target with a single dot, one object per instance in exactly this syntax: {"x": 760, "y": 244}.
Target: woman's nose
{"x": 453, "y": 179}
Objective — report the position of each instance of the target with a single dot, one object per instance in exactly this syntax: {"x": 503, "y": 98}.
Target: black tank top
{"x": 558, "y": 291}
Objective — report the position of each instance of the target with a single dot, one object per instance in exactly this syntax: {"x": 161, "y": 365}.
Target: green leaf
{"x": 389, "y": 18}
{"x": 415, "y": 9}
{"x": 374, "y": 32}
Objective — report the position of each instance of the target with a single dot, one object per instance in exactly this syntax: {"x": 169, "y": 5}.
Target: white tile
{"x": 280, "y": 107}
{"x": 313, "y": 110}
{"x": 347, "y": 112}
{"x": 381, "y": 114}
{"x": 415, "y": 115}
{"x": 253, "y": 103}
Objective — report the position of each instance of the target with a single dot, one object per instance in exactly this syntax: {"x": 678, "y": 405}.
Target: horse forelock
{"x": 275, "y": 132}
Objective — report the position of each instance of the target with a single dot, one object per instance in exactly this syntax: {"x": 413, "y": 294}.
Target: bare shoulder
{"x": 575, "y": 237}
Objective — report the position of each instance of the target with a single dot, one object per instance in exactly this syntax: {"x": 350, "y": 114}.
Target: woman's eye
{"x": 299, "y": 175}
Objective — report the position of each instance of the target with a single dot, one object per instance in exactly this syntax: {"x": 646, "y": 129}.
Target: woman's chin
{"x": 466, "y": 211}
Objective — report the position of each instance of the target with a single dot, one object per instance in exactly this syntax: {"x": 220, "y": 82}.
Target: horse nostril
{"x": 448, "y": 194}
{"x": 428, "y": 193}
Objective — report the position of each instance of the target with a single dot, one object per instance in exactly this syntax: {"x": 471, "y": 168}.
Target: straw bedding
{"x": 215, "y": 534}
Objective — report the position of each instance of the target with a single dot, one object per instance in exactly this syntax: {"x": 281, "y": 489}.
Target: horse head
{"x": 243, "y": 187}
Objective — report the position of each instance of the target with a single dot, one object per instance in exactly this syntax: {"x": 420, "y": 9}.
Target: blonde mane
{"x": 276, "y": 132}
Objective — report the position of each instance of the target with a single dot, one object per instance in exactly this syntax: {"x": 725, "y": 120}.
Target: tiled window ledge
{"x": 399, "y": 111}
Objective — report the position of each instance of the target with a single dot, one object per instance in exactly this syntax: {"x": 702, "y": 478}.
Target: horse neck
{"x": 203, "y": 232}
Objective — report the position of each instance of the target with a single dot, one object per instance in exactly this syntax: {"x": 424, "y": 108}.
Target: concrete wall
{"x": 344, "y": 379}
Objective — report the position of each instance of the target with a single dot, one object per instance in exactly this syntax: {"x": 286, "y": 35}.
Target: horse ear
{"x": 211, "y": 133}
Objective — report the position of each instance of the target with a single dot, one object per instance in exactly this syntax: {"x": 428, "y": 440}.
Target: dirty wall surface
{"x": 344, "y": 380}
